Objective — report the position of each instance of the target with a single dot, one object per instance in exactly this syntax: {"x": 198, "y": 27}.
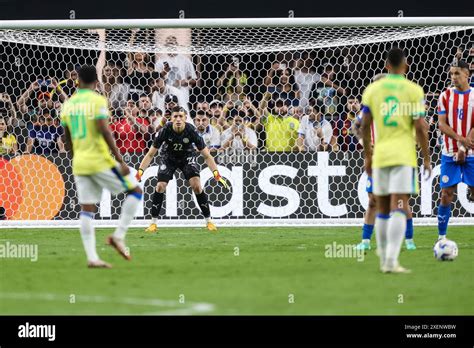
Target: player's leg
{"x": 165, "y": 174}
{"x": 396, "y": 230}
{"x": 369, "y": 221}
{"x": 382, "y": 202}
{"x": 191, "y": 173}
{"x": 444, "y": 210}
{"x": 409, "y": 242}
{"x": 115, "y": 182}
{"x": 89, "y": 194}
{"x": 403, "y": 182}
{"x": 381, "y": 225}
{"x": 449, "y": 178}
{"x": 201, "y": 197}
{"x": 157, "y": 201}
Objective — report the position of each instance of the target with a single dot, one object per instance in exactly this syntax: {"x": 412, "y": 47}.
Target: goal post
{"x": 265, "y": 71}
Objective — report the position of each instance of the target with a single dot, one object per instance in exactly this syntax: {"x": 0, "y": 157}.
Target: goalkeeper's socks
{"x": 88, "y": 235}
{"x": 395, "y": 231}
{"x": 203, "y": 204}
{"x": 129, "y": 207}
{"x": 157, "y": 202}
{"x": 381, "y": 222}
{"x": 444, "y": 213}
{"x": 367, "y": 231}
{"x": 409, "y": 230}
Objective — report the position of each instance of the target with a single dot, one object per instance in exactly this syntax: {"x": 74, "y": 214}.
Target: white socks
{"x": 395, "y": 234}
{"x": 381, "y": 223}
{"x": 129, "y": 207}
{"x": 88, "y": 235}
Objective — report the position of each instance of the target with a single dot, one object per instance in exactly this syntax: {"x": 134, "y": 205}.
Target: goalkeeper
{"x": 178, "y": 141}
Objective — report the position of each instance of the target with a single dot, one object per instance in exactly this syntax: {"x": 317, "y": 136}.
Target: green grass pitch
{"x": 272, "y": 271}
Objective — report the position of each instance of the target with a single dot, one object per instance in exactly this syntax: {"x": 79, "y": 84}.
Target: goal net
{"x": 274, "y": 100}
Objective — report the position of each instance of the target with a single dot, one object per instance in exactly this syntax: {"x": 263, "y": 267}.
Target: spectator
{"x": 45, "y": 136}
{"x": 109, "y": 76}
{"x": 8, "y": 144}
{"x": 7, "y": 109}
{"x": 315, "y": 133}
{"x": 202, "y": 105}
{"x": 233, "y": 80}
{"x": 140, "y": 72}
{"x": 297, "y": 112}
{"x": 144, "y": 103}
{"x": 160, "y": 91}
{"x": 281, "y": 130}
{"x": 39, "y": 97}
{"x": 305, "y": 77}
{"x": 216, "y": 115}
{"x": 328, "y": 81}
{"x": 69, "y": 84}
{"x": 346, "y": 139}
{"x": 177, "y": 69}
{"x": 131, "y": 131}
{"x": 283, "y": 87}
{"x": 239, "y": 136}
{"x": 209, "y": 133}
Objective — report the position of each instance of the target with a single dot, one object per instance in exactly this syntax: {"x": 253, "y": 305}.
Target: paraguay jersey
{"x": 394, "y": 103}
{"x": 458, "y": 107}
{"x": 79, "y": 114}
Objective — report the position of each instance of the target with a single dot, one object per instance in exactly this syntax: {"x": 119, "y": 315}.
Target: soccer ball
{"x": 445, "y": 250}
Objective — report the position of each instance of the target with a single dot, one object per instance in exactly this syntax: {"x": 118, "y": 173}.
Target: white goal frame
{"x": 466, "y": 21}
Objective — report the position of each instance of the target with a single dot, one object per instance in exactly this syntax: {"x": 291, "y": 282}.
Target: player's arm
{"x": 103, "y": 128}
{"x": 422, "y": 140}
{"x": 68, "y": 140}
{"x": 366, "y": 139}
{"x": 213, "y": 166}
{"x": 146, "y": 161}
{"x": 447, "y": 130}
{"x": 157, "y": 142}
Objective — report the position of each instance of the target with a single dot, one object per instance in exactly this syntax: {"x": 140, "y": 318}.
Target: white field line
{"x": 189, "y": 307}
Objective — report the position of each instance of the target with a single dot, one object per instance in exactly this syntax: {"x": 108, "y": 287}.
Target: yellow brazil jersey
{"x": 394, "y": 103}
{"x": 6, "y": 143}
{"x": 79, "y": 114}
{"x": 282, "y": 133}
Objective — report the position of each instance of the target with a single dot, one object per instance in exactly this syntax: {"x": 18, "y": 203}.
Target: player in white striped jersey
{"x": 456, "y": 122}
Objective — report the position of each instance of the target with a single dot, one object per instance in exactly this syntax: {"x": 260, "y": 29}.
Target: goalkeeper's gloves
{"x": 139, "y": 174}
{"x": 220, "y": 179}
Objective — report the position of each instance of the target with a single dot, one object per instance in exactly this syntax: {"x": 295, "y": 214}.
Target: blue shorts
{"x": 452, "y": 173}
{"x": 369, "y": 186}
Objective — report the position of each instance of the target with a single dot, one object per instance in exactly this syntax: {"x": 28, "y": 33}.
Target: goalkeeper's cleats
{"x": 364, "y": 245}
{"x": 220, "y": 179}
{"x": 211, "y": 227}
{"x": 119, "y": 245}
{"x": 98, "y": 264}
{"x": 153, "y": 228}
{"x": 410, "y": 244}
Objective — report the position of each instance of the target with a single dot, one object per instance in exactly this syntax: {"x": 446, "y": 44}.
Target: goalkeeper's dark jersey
{"x": 178, "y": 146}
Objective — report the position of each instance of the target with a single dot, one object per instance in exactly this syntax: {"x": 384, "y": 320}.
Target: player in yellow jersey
{"x": 97, "y": 164}
{"x": 396, "y": 107}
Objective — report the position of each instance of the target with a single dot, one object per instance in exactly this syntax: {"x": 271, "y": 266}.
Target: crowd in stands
{"x": 296, "y": 105}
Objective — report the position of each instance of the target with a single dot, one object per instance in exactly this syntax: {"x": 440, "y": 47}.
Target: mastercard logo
{"x": 31, "y": 188}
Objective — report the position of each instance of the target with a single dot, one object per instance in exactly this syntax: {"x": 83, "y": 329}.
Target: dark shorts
{"x": 168, "y": 166}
